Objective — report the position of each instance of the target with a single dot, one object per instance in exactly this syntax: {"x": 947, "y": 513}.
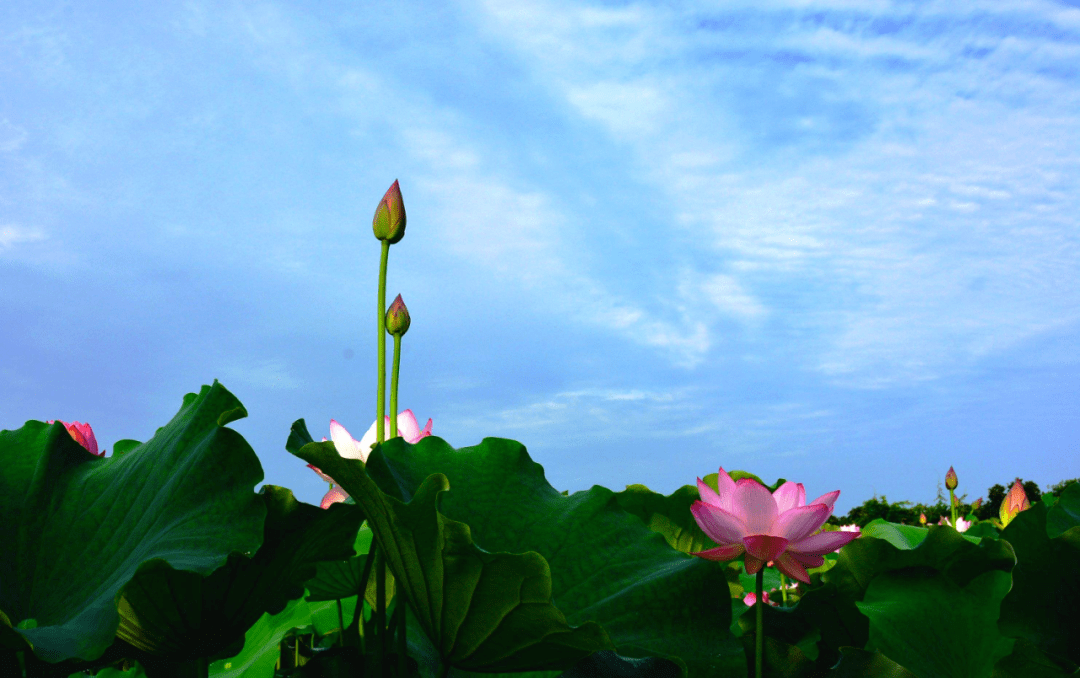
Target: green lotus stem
{"x": 394, "y": 385}
{"x": 296, "y": 648}
{"x": 783, "y": 588}
{"x": 380, "y": 612}
{"x": 358, "y": 616}
{"x": 952, "y": 508}
{"x": 759, "y": 637}
{"x": 402, "y": 646}
{"x": 380, "y": 434}
{"x": 341, "y": 624}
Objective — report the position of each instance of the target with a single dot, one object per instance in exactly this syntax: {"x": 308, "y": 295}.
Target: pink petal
{"x": 752, "y": 564}
{"x": 755, "y": 505}
{"x": 346, "y": 447}
{"x": 722, "y": 527}
{"x": 792, "y": 568}
{"x": 725, "y": 487}
{"x": 820, "y": 544}
{"x": 369, "y": 439}
{"x": 806, "y": 559}
{"x": 407, "y": 427}
{"x": 334, "y": 496}
{"x": 721, "y": 553}
{"x": 321, "y": 474}
{"x": 708, "y": 494}
{"x": 800, "y": 522}
{"x": 789, "y": 495}
{"x": 829, "y": 498}
{"x": 765, "y": 546}
{"x": 426, "y": 431}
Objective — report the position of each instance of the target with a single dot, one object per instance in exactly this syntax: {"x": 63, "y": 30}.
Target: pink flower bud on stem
{"x": 951, "y": 482}
{"x": 389, "y": 221}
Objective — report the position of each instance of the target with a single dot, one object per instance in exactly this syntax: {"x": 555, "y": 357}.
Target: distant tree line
{"x": 907, "y": 513}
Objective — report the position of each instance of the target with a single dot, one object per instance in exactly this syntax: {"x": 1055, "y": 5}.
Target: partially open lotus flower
{"x": 1015, "y": 502}
{"x": 779, "y": 526}
{"x": 750, "y": 598}
{"x": 961, "y": 524}
{"x": 349, "y": 448}
{"x": 83, "y": 434}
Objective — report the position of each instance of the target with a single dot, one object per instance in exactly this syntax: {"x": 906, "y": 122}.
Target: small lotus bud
{"x": 977, "y": 504}
{"x": 950, "y": 479}
{"x": 1015, "y": 502}
{"x": 389, "y": 221}
{"x": 397, "y": 318}
{"x": 956, "y": 501}
{"x": 922, "y": 518}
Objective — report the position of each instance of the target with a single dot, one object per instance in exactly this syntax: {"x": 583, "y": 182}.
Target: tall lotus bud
{"x": 922, "y": 518}
{"x": 1015, "y": 502}
{"x": 950, "y": 479}
{"x": 389, "y": 221}
{"x": 397, "y": 318}
{"x": 82, "y": 434}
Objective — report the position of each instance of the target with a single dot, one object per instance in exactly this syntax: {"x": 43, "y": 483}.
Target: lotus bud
{"x": 922, "y": 518}
{"x": 397, "y": 318}
{"x": 977, "y": 504}
{"x": 956, "y": 502}
{"x": 1015, "y": 502}
{"x": 389, "y": 221}
{"x": 82, "y": 434}
{"x": 950, "y": 479}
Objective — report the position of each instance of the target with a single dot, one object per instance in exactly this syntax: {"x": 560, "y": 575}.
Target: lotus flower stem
{"x": 341, "y": 621}
{"x": 394, "y": 386}
{"x": 759, "y": 637}
{"x": 381, "y": 406}
{"x": 783, "y": 588}
{"x": 380, "y": 612}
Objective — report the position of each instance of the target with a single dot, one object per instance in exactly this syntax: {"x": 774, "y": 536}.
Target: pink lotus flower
{"x": 349, "y": 448}
{"x": 961, "y": 524}
{"x": 1015, "y": 502}
{"x": 745, "y": 517}
{"x": 750, "y": 598}
{"x": 83, "y": 434}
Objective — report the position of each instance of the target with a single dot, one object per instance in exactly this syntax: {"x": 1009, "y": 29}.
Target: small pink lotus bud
{"x": 397, "y": 318}
{"x": 82, "y": 434}
{"x": 977, "y": 504}
{"x": 1015, "y": 502}
{"x": 950, "y": 479}
{"x": 389, "y": 221}
{"x": 922, "y": 518}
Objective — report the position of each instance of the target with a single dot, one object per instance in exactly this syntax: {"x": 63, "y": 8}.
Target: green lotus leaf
{"x": 606, "y": 565}
{"x": 830, "y": 603}
{"x": 1065, "y": 513}
{"x": 484, "y": 611}
{"x": 1027, "y": 661}
{"x": 925, "y": 622}
{"x": 77, "y": 528}
{"x": 1042, "y": 605}
{"x": 339, "y": 579}
{"x": 183, "y": 615}
{"x": 669, "y": 516}
{"x": 857, "y": 663}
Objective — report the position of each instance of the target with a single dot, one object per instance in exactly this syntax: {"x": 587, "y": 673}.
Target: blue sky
{"x": 836, "y": 242}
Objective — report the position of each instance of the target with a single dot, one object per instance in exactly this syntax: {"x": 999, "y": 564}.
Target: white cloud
{"x": 10, "y": 235}
{"x": 271, "y": 374}
{"x": 12, "y": 137}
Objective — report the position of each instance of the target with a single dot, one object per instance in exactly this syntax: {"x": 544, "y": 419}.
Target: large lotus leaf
{"x": 339, "y": 579}
{"x": 904, "y": 537}
{"x": 606, "y": 565}
{"x": 1027, "y": 661}
{"x": 262, "y": 642}
{"x": 77, "y": 528}
{"x": 831, "y": 603}
{"x": 184, "y": 615}
{"x": 1065, "y": 513}
{"x": 669, "y": 516}
{"x": 1042, "y": 606}
{"x": 484, "y": 611}
{"x": 926, "y": 623}
{"x": 857, "y": 663}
